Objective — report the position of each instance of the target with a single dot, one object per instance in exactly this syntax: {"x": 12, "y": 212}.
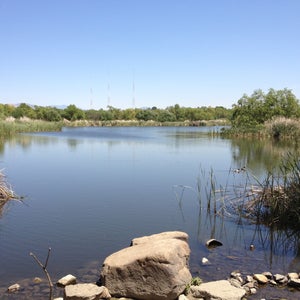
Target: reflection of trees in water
{"x": 260, "y": 155}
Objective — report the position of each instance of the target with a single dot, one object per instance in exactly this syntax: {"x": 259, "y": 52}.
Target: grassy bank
{"x": 139, "y": 123}
{"x": 11, "y": 127}
{"x": 279, "y": 128}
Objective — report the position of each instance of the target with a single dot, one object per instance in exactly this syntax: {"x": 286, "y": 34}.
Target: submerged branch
{"x": 44, "y": 267}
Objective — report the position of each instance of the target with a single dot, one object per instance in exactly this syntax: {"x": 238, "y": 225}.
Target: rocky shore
{"x": 154, "y": 267}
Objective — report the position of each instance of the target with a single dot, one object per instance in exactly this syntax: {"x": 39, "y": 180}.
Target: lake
{"x": 89, "y": 191}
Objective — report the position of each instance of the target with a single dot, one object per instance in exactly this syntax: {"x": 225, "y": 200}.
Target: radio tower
{"x": 91, "y": 98}
{"x": 108, "y": 94}
{"x": 133, "y": 92}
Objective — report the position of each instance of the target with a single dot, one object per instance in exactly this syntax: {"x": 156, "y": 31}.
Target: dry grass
{"x": 6, "y": 193}
{"x": 282, "y": 127}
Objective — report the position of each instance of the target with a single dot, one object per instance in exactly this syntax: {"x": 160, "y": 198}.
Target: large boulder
{"x": 154, "y": 267}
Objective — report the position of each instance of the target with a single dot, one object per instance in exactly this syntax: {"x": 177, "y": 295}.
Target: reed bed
{"x": 278, "y": 128}
{"x": 11, "y": 127}
{"x": 273, "y": 201}
{"x": 282, "y": 127}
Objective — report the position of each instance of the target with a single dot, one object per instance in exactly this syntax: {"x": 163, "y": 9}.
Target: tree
{"x": 24, "y": 110}
{"x": 259, "y": 107}
{"x": 72, "y": 113}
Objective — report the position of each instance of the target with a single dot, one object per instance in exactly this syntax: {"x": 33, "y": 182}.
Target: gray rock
{"x": 159, "y": 236}
{"x": 235, "y": 282}
{"x": 66, "y": 280}
{"x": 205, "y": 261}
{"x": 273, "y": 282}
{"x": 261, "y": 278}
{"x": 182, "y": 297}
{"x": 281, "y": 278}
{"x": 294, "y": 283}
{"x": 155, "y": 267}
{"x": 213, "y": 243}
{"x": 85, "y": 291}
{"x": 293, "y": 275}
{"x": 13, "y": 288}
{"x": 217, "y": 290}
{"x": 268, "y": 275}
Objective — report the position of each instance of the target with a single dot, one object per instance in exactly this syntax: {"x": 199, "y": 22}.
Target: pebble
{"x": 294, "y": 282}
{"x": 293, "y": 275}
{"x": 13, "y": 288}
{"x": 261, "y": 278}
{"x": 205, "y": 261}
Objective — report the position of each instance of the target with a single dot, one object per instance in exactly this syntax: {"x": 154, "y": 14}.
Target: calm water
{"x": 89, "y": 191}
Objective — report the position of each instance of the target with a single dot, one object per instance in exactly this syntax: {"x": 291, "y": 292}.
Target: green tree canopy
{"x": 260, "y": 107}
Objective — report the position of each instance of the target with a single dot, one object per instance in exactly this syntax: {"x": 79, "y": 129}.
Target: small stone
{"x": 249, "y": 278}
{"x": 293, "y": 275}
{"x": 252, "y": 247}
{"x": 250, "y": 285}
{"x": 281, "y": 278}
{"x": 273, "y": 282}
{"x": 37, "y": 280}
{"x": 235, "y": 274}
{"x": 235, "y": 282}
{"x": 253, "y": 291}
{"x": 13, "y": 288}
{"x": 66, "y": 280}
{"x": 213, "y": 243}
{"x": 205, "y": 261}
{"x": 261, "y": 278}
{"x": 268, "y": 275}
{"x": 182, "y": 297}
{"x": 294, "y": 282}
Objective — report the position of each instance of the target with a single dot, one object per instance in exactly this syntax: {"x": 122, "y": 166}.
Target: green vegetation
{"x": 273, "y": 201}
{"x": 11, "y": 127}
{"x": 276, "y": 201}
{"x": 273, "y": 114}
{"x": 258, "y": 108}
{"x": 72, "y": 113}
{"x": 195, "y": 281}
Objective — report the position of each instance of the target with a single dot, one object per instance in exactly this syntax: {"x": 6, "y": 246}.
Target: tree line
{"x": 248, "y": 111}
{"x": 73, "y": 113}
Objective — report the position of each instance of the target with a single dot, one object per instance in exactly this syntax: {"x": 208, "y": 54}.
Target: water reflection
{"x": 260, "y": 156}
{"x": 273, "y": 250}
{"x": 104, "y": 186}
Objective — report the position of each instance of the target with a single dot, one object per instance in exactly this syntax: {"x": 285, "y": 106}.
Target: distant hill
{"x": 33, "y": 105}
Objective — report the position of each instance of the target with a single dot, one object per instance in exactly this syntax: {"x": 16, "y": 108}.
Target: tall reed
{"x": 9, "y": 128}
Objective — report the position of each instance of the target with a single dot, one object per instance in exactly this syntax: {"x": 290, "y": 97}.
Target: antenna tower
{"x": 91, "y": 98}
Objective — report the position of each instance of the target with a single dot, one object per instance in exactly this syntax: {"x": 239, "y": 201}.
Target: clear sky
{"x": 144, "y": 53}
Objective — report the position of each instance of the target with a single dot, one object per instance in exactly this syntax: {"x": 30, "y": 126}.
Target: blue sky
{"x": 144, "y": 53}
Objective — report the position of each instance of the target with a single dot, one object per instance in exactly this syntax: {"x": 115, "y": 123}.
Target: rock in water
{"x": 86, "y": 291}
{"x": 13, "y": 288}
{"x": 66, "y": 280}
{"x": 220, "y": 289}
{"x": 155, "y": 267}
{"x": 213, "y": 243}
